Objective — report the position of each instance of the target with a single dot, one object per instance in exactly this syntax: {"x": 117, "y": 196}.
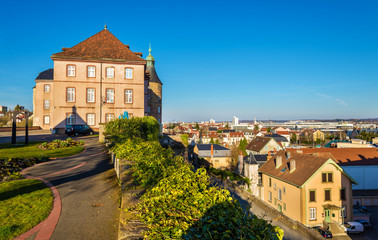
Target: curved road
{"x": 89, "y": 193}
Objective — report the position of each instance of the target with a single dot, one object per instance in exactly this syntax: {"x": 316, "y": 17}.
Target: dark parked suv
{"x": 78, "y": 129}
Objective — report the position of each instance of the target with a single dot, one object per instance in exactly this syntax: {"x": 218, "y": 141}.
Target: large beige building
{"x": 310, "y": 188}
{"x": 94, "y": 82}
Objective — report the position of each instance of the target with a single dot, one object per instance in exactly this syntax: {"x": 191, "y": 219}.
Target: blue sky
{"x": 269, "y": 59}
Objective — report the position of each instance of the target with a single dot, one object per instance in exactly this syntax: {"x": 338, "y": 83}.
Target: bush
{"x": 145, "y": 128}
{"x": 10, "y": 168}
{"x": 55, "y": 144}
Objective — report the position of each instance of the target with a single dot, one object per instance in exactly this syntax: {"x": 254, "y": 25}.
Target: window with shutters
{"x": 342, "y": 194}
{"x": 327, "y": 195}
{"x": 312, "y": 195}
{"x": 327, "y": 177}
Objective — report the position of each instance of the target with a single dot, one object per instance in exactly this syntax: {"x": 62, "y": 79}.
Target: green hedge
{"x": 181, "y": 203}
{"x": 145, "y": 128}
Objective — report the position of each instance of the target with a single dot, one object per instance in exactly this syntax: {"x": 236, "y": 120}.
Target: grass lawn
{"x": 8, "y": 150}
{"x": 24, "y": 204}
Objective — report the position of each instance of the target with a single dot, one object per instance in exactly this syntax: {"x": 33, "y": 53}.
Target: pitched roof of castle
{"x": 103, "y": 45}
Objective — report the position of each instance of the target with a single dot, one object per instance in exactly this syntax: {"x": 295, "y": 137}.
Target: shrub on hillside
{"x": 145, "y": 128}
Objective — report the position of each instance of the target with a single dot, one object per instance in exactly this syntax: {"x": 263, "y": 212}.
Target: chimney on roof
{"x": 212, "y": 150}
{"x": 64, "y": 49}
{"x": 292, "y": 165}
{"x": 278, "y": 161}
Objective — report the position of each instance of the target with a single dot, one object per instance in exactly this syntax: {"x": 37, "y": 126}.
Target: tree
{"x": 217, "y": 141}
{"x": 212, "y": 141}
{"x": 197, "y": 126}
{"x": 242, "y": 145}
{"x": 269, "y": 129}
{"x": 256, "y": 127}
{"x": 234, "y": 157}
{"x": 219, "y": 131}
{"x": 293, "y": 138}
{"x": 17, "y": 108}
{"x": 226, "y": 126}
{"x": 185, "y": 139}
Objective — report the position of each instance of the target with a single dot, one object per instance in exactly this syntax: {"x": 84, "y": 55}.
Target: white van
{"x": 354, "y": 227}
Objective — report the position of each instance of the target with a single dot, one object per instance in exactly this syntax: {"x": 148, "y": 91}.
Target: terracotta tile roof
{"x": 283, "y": 132}
{"x": 236, "y": 134}
{"x": 103, "y": 45}
{"x": 349, "y": 156}
{"x": 257, "y": 143}
{"x": 305, "y": 166}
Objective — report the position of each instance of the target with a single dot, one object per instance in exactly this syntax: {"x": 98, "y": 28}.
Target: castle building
{"x": 94, "y": 82}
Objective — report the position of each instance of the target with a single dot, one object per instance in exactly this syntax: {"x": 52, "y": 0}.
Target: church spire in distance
{"x": 150, "y": 59}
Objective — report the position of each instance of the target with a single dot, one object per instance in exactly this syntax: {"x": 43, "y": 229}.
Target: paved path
{"x": 89, "y": 193}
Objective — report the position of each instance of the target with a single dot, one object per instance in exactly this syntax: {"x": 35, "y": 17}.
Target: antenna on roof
{"x": 105, "y": 27}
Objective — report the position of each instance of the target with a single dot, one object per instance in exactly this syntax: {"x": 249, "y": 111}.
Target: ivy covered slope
{"x": 180, "y": 203}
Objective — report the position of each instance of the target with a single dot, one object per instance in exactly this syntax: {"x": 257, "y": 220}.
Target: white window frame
{"x": 129, "y": 73}
{"x": 91, "y": 71}
{"x": 47, "y": 88}
{"x": 279, "y": 194}
{"x": 70, "y": 118}
{"x": 46, "y": 104}
{"x": 109, "y": 117}
{"x": 110, "y": 74}
{"x": 71, "y": 70}
{"x": 91, "y": 95}
{"x": 312, "y": 213}
{"x": 46, "y": 120}
{"x": 71, "y": 94}
{"x": 91, "y": 119}
{"x": 128, "y": 96}
{"x": 110, "y": 95}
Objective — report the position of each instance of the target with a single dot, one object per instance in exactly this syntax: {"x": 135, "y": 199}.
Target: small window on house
{"x": 90, "y": 95}
{"x": 109, "y": 117}
{"x": 284, "y": 206}
{"x": 47, "y": 88}
{"x": 284, "y": 190}
{"x": 128, "y": 96}
{"x": 275, "y": 201}
{"x": 110, "y": 95}
{"x": 71, "y": 70}
{"x": 327, "y": 177}
{"x": 312, "y": 196}
{"x": 91, "y": 71}
{"x": 128, "y": 73}
{"x": 159, "y": 109}
{"x": 46, "y": 120}
{"x": 279, "y": 194}
{"x": 270, "y": 196}
{"x": 327, "y": 195}
{"x": 110, "y": 72}
{"x": 91, "y": 119}
{"x": 70, "y": 118}
{"x": 312, "y": 213}
{"x": 270, "y": 182}
{"x": 70, "y": 94}
{"x": 46, "y": 104}
{"x": 274, "y": 186}
{"x": 342, "y": 194}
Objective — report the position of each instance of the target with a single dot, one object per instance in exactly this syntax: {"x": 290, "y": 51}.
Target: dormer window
{"x": 71, "y": 70}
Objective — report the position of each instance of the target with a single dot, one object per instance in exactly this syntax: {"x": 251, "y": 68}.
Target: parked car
{"x": 78, "y": 129}
{"x": 361, "y": 208}
{"x": 354, "y": 227}
{"x": 325, "y": 233}
{"x": 366, "y": 224}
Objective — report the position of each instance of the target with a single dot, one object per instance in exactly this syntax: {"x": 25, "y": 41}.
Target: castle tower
{"x": 155, "y": 89}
